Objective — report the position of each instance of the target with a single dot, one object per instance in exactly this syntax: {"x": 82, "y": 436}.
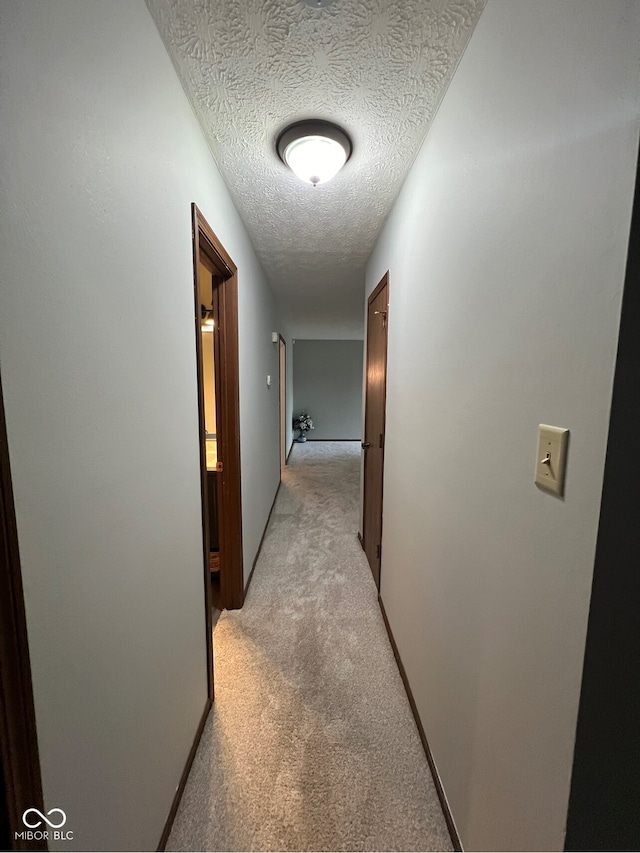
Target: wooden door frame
{"x": 282, "y": 393}
{"x": 605, "y": 777}
{"x": 384, "y": 282}
{"x": 227, "y": 422}
{"x": 19, "y": 760}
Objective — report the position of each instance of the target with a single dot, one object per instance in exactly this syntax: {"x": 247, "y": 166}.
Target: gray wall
{"x": 327, "y": 381}
{"x": 101, "y": 159}
{"x": 506, "y": 251}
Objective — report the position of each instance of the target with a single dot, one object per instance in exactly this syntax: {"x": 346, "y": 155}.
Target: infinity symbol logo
{"x": 44, "y": 818}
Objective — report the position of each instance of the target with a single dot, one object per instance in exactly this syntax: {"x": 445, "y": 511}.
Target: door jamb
{"x": 384, "y": 281}
{"x": 227, "y": 422}
{"x": 20, "y": 763}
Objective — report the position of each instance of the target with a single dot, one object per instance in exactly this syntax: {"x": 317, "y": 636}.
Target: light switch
{"x": 268, "y": 381}
{"x": 552, "y": 458}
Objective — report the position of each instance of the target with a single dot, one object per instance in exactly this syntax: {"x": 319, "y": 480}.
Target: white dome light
{"x": 315, "y": 159}
{"x": 315, "y": 151}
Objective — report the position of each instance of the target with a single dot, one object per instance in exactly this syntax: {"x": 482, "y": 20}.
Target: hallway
{"x": 311, "y": 744}
{"x": 487, "y": 170}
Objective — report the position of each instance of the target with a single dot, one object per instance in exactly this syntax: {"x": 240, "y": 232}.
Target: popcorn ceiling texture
{"x": 378, "y": 68}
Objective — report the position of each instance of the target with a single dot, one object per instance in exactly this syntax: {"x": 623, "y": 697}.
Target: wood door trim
{"x": 228, "y": 430}
{"x": 384, "y": 282}
{"x": 208, "y": 235}
{"x": 196, "y": 234}
{"x": 206, "y": 243}
{"x": 18, "y": 734}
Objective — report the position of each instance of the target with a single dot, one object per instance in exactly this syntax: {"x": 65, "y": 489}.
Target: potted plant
{"x": 303, "y": 423}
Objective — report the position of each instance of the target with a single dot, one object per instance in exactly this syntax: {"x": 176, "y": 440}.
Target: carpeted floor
{"x": 311, "y": 744}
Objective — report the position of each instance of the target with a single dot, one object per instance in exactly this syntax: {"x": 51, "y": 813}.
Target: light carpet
{"x": 311, "y": 744}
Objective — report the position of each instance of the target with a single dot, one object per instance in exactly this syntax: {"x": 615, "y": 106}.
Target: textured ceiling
{"x": 378, "y": 68}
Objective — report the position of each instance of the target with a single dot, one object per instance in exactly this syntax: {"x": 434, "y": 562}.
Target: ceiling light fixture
{"x": 314, "y": 150}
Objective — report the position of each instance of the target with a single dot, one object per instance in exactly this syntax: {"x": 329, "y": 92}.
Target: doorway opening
{"x": 216, "y": 326}
{"x": 374, "y": 424}
{"x": 208, "y": 299}
{"x": 282, "y": 363}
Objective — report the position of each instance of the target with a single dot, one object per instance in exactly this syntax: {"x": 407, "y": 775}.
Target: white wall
{"x": 101, "y": 158}
{"x": 506, "y": 251}
{"x": 259, "y": 403}
{"x": 327, "y": 382}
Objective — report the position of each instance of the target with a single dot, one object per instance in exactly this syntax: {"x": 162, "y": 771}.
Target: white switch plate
{"x": 552, "y": 458}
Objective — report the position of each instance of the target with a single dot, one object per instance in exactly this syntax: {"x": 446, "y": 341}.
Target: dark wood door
{"x": 374, "y": 424}
{"x": 20, "y": 783}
